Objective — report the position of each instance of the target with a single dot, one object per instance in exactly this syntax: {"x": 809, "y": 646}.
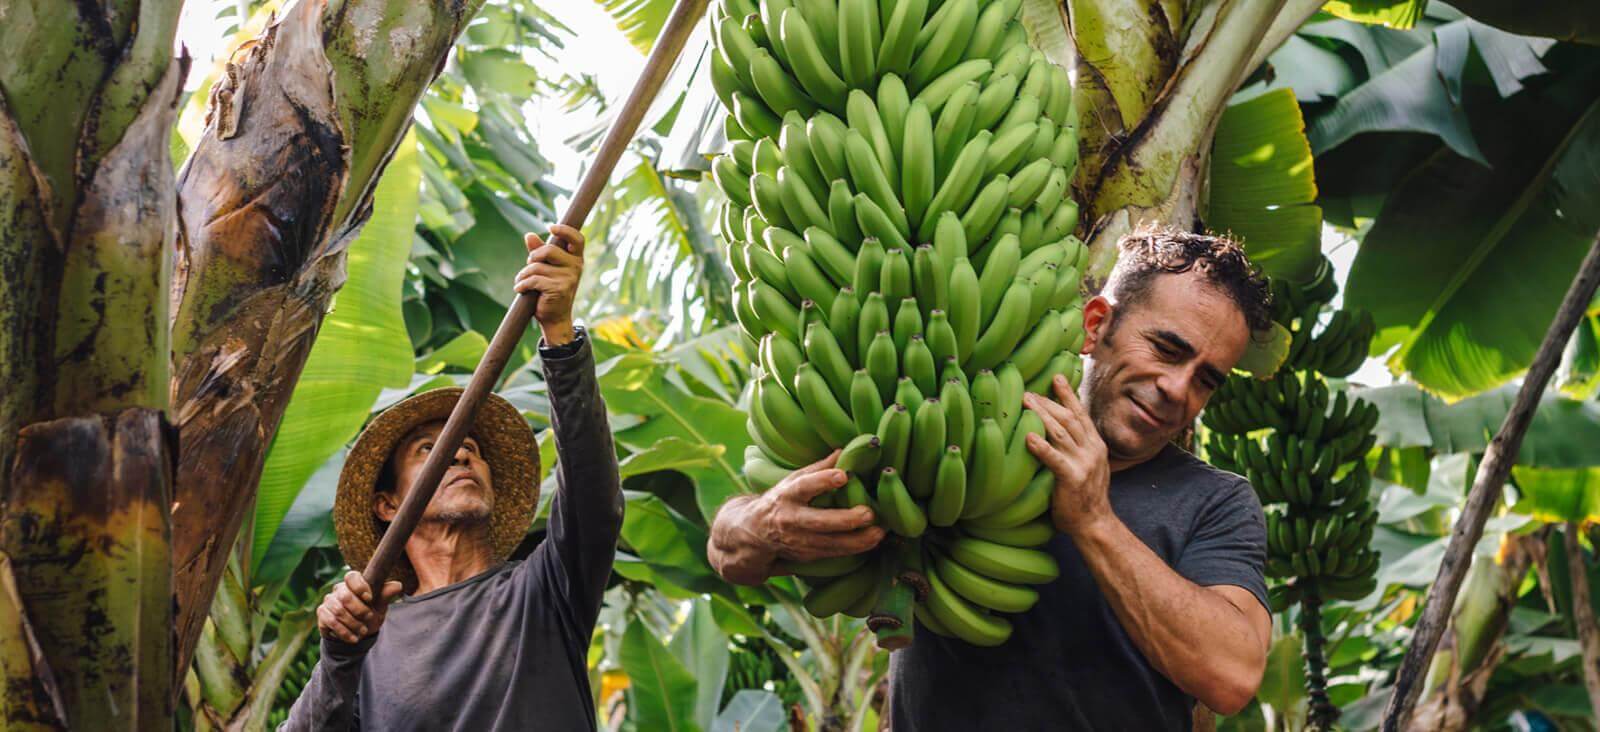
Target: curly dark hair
{"x": 1151, "y": 252}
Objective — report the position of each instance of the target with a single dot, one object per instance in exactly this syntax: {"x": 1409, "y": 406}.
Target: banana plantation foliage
{"x": 847, "y": 224}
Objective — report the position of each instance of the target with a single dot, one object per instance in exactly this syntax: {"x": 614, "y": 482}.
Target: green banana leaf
{"x": 1558, "y": 494}
{"x": 1563, "y": 434}
{"x": 361, "y": 350}
{"x": 702, "y": 648}
{"x": 1283, "y": 684}
{"x": 639, "y": 20}
{"x": 752, "y": 711}
{"x": 635, "y": 383}
{"x": 661, "y": 692}
{"x": 1399, "y": 14}
{"x": 671, "y": 546}
{"x": 1579, "y": 377}
{"x": 1263, "y": 188}
{"x": 307, "y": 525}
{"x": 1465, "y": 283}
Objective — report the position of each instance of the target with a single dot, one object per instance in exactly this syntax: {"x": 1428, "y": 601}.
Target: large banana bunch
{"x": 898, "y": 219}
{"x": 1303, "y": 448}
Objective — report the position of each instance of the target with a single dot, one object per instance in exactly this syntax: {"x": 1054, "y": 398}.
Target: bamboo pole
{"x": 1485, "y": 493}
{"x": 668, "y": 46}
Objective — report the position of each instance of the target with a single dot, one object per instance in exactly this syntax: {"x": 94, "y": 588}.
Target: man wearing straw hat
{"x": 469, "y": 640}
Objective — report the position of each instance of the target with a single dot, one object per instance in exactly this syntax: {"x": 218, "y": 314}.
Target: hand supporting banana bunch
{"x": 897, "y": 216}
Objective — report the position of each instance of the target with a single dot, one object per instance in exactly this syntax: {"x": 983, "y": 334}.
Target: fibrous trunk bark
{"x": 298, "y": 131}
{"x": 1153, "y": 77}
{"x": 86, "y": 221}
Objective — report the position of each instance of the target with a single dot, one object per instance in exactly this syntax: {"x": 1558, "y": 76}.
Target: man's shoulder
{"x": 1186, "y": 479}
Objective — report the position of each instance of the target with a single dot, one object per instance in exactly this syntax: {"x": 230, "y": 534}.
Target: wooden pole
{"x": 668, "y": 46}
{"x": 1492, "y": 473}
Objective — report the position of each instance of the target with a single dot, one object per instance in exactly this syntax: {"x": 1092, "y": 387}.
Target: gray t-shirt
{"x": 1070, "y": 665}
{"x": 507, "y": 649}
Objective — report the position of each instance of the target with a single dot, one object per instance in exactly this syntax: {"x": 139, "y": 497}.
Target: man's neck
{"x": 444, "y": 553}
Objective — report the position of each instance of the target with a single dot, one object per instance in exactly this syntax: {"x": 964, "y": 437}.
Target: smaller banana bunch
{"x": 1303, "y": 447}
{"x": 899, "y": 219}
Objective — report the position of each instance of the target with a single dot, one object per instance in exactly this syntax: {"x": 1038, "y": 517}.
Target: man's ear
{"x": 385, "y": 505}
{"x": 1096, "y": 318}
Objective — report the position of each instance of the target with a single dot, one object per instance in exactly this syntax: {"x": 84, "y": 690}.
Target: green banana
{"x": 789, "y": 424}
{"x": 883, "y": 362}
{"x": 844, "y": 320}
{"x": 986, "y": 208}
{"x": 809, "y": 61}
{"x": 950, "y": 238}
{"x": 866, "y": 404}
{"x": 960, "y": 618}
{"x": 894, "y": 281}
{"x": 858, "y": 41}
{"x": 965, "y": 301}
{"x": 995, "y": 99}
{"x": 837, "y": 594}
{"x": 781, "y": 358}
{"x": 1030, "y": 183}
{"x": 950, "y": 37}
{"x": 900, "y": 29}
{"x": 825, "y": 568}
{"x": 938, "y": 92}
{"x": 986, "y": 396}
{"x": 874, "y": 317}
{"x": 927, "y": 447}
{"x": 959, "y": 186}
{"x": 960, "y": 421}
{"x": 1031, "y": 503}
{"x": 899, "y": 511}
{"x": 1038, "y": 347}
{"x": 775, "y": 312}
{"x": 831, "y": 255}
{"x": 863, "y": 116}
{"x": 877, "y": 224}
{"x": 730, "y": 180}
{"x": 1033, "y": 534}
{"x": 767, "y": 199}
{"x": 917, "y": 362}
{"x": 930, "y": 280}
{"x": 754, "y": 116}
{"x": 952, "y": 127}
{"x": 983, "y": 591}
{"x": 987, "y": 471}
{"x": 806, "y": 277}
{"x": 949, "y": 488}
{"x": 918, "y": 162}
{"x": 1004, "y": 563}
{"x": 990, "y": 30}
{"x": 894, "y": 432}
{"x": 894, "y": 103}
{"x": 827, "y": 416}
{"x": 1007, "y": 327}
{"x": 860, "y": 454}
{"x": 822, "y": 350}
{"x": 872, "y": 180}
{"x": 941, "y": 336}
{"x": 1010, "y": 147}
{"x": 775, "y": 87}
{"x": 906, "y": 393}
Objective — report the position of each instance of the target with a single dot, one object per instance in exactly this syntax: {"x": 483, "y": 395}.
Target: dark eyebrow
{"x": 1186, "y": 349}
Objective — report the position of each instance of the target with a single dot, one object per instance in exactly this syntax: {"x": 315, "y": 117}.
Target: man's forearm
{"x": 328, "y": 701}
{"x": 736, "y": 554}
{"x": 588, "y": 513}
{"x": 1194, "y": 636}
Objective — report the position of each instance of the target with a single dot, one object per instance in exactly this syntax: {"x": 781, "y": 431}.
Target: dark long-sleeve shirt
{"x": 505, "y": 650}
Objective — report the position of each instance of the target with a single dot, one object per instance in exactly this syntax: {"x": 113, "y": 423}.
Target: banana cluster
{"x": 1303, "y": 449}
{"x": 899, "y": 222}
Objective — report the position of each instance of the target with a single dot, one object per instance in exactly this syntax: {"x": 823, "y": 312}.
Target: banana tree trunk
{"x": 1472, "y": 646}
{"x": 1152, "y": 79}
{"x": 86, "y": 218}
{"x": 298, "y": 131}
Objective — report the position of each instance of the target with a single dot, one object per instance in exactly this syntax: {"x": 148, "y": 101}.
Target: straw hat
{"x": 507, "y": 444}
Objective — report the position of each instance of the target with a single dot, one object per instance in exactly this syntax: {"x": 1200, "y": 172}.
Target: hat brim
{"x": 504, "y": 438}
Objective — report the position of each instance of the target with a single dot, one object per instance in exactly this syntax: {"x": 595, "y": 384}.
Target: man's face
{"x": 1152, "y": 366}
{"x": 466, "y": 495}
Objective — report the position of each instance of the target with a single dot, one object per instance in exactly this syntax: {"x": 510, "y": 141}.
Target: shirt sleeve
{"x": 328, "y": 702}
{"x": 586, "y": 512}
{"x": 1228, "y": 545}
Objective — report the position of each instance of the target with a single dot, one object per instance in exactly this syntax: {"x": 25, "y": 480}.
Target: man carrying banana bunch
{"x": 1161, "y": 600}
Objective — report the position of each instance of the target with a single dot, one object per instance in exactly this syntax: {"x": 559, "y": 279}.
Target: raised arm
{"x": 1210, "y": 641}
{"x": 750, "y": 534}
{"x": 586, "y": 513}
